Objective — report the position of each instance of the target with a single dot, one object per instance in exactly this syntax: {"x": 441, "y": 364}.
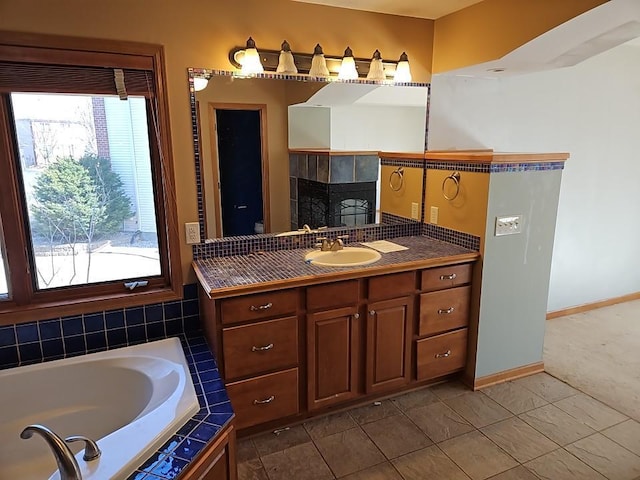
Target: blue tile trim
{"x": 51, "y": 339}
{"x": 494, "y": 167}
{"x": 462, "y": 239}
{"x": 215, "y": 413}
{"x": 401, "y": 162}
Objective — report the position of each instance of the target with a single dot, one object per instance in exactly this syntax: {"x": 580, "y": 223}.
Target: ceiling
{"x": 430, "y": 9}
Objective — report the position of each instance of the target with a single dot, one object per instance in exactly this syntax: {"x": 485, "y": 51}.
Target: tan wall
{"x": 399, "y": 202}
{"x": 200, "y": 33}
{"x": 468, "y": 211}
{"x": 490, "y": 29}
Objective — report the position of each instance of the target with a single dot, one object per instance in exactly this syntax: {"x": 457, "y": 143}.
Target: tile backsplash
{"x": 61, "y": 337}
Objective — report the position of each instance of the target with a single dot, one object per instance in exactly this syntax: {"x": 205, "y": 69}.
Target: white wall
{"x": 592, "y": 111}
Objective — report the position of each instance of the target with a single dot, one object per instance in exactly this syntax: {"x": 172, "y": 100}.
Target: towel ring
{"x": 400, "y": 173}
{"x": 455, "y": 178}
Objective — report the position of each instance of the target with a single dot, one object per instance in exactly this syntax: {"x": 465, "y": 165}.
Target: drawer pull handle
{"x": 446, "y": 311}
{"x": 259, "y": 308}
{"x": 444, "y": 355}
{"x": 265, "y": 401}
{"x": 262, "y": 349}
{"x": 448, "y": 277}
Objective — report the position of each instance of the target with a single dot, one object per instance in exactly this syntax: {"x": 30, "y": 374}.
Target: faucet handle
{"x": 91, "y": 449}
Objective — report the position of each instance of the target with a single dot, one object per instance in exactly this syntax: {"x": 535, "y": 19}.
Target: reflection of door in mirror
{"x": 242, "y": 168}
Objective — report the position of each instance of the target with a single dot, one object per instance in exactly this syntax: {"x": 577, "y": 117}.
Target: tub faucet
{"x": 67, "y": 464}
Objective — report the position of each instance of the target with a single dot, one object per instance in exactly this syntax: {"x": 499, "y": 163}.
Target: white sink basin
{"x": 347, "y": 257}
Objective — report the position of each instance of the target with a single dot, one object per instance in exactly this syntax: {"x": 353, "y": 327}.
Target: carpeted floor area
{"x": 598, "y": 352}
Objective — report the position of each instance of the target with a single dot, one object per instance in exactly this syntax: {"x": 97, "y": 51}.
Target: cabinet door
{"x": 332, "y": 356}
{"x": 388, "y": 344}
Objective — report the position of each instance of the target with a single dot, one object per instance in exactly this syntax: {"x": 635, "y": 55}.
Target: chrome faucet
{"x": 67, "y": 464}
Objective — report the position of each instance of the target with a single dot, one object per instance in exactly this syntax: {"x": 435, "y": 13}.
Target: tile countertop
{"x": 215, "y": 413}
{"x": 235, "y": 275}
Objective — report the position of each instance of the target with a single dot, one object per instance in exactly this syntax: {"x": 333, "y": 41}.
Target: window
{"x": 87, "y": 206}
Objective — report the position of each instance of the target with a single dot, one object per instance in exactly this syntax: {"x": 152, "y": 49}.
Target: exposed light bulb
{"x": 376, "y": 69}
{"x": 200, "y": 83}
{"x": 403, "y": 71}
{"x": 286, "y": 63}
{"x": 348, "y": 67}
{"x": 251, "y": 63}
{"x": 318, "y": 63}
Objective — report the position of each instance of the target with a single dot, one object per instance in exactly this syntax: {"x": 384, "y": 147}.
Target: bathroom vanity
{"x": 294, "y": 340}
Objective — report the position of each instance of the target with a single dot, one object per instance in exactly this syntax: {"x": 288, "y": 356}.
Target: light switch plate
{"x": 192, "y": 232}
{"x": 433, "y": 218}
{"x": 509, "y": 225}
{"x": 415, "y": 211}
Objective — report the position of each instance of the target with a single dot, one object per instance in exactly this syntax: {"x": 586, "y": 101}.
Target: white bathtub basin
{"x": 130, "y": 400}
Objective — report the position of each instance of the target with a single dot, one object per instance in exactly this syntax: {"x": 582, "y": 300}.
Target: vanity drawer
{"x": 445, "y": 277}
{"x": 260, "y": 305}
{"x": 391, "y": 286}
{"x": 442, "y": 354}
{"x": 332, "y": 295}
{"x": 259, "y": 347}
{"x": 444, "y": 310}
{"x": 264, "y": 398}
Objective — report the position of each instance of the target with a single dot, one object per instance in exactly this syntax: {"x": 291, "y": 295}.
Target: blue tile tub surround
{"x": 57, "y": 338}
{"x": 215, "y": 413}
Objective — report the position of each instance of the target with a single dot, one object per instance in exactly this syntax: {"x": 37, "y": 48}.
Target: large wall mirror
{"x": 258, "y": 141}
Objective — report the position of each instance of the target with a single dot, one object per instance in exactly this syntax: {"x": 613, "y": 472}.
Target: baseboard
{"x": 592, "y": 306}
{"x": 506, "y": 375}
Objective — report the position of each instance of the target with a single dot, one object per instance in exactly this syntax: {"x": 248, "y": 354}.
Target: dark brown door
{"x": 332, "y": 356}
{"x": 388, "y": 343}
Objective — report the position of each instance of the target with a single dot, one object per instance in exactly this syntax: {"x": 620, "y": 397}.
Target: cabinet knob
{"x": 259, "y": 308}
{"x": 446, "y": 311}
{"x": 372, "y": 312}
{"x": 262, "y": 349}
{"x": 444, "y": 354}
{"x": 356, "y": 316}
{"x": 265, "y": 401}
{"x": 448, "y": 277}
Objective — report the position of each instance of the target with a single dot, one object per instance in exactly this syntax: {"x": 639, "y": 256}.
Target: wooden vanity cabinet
{"x": 389, "y": 319}
{"x": 217, "y": 461}
{"x": 443, "y": 320}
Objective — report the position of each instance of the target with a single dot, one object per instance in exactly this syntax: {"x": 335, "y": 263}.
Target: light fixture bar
{"x": 270, "y": 59}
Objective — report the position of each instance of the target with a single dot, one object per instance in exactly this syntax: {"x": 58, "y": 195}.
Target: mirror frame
{"x": 195, "y": 125}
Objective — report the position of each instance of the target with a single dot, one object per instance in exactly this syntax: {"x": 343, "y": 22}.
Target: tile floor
{"x": 533, "y": 428}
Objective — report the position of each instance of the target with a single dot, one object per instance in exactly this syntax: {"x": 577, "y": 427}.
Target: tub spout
{"x": 67, "y": 464}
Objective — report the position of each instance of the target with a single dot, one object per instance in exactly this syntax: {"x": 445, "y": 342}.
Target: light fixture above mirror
{"x": 318, "y": 65}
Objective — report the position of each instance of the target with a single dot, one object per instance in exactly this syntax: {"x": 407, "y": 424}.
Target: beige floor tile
{"x": 518, "y": 473}
{"x": 417, "y": 398}
{"x": 626, "y": 434}
{"x": 245, "y": 450}
{"x": 439, "y": 422}
{"x": 270, "y": 442}
{"x": 561, "y": 465}
{"x": 590, "y": 411}
{"x": 251, "y": 470}
{"x": 514, "y": 397}
{"x": 396, "y": 435}
{"x": 478, "y": 456}
{"x": 384, "y": 471}
{"x": 329, "y": 424}
{"x": 349, "y": 452}
{"x": 302, "y": 462}
{"x": 478, "y": 409}
{"x": 428, "y": 463}
{"x": 547, "y": 387}
{"x": 556, "y": 424}
{"x": 448, "y": 390}
{"x": 607, "y": 457}
{"x": 374, "y": 411}
{"x": 519, "y": 440}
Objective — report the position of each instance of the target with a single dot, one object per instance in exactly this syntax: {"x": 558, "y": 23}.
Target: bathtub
{"x": 130, "y": 400}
